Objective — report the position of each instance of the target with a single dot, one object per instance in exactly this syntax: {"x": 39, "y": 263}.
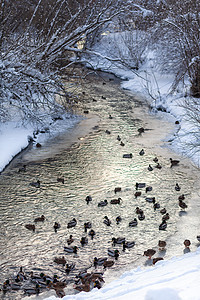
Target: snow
{"x": 14, "y": 136}
{"x": 176, "y": 279}
{"x": 150, "y": 83}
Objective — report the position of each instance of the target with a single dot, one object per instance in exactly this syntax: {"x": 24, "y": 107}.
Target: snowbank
{"x": 14, "y": 136}
{"x": 150, "y": 83}
{"x": 176, "y": 279}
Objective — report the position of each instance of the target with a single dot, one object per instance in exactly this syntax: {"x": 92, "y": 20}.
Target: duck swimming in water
{"x": 92, "y": 233}
{"x": 60, "y": 260}
{"x": 70, "y": 240}
{"x": 88, "y": 199}
{"x": 118, "y": 219}
{"x": 174, "y": 162}
{"x": 133, "y": 223}
{"x": 56, "y": 226}
{"x": 72, "y": 223}
{"x": 30, "y": 227}
{"x": 177, "y": 187}
{"x": 107, "y": 221}
{"x": 182, "y": 204}
{"x": 35, "y": 184}
{"x": 40, "y": 219}
{"x": 71, "y": 249}
{"x": 102, "y": 203}
{"x": 87, "y": 225}
{"x": 163, "y": 225}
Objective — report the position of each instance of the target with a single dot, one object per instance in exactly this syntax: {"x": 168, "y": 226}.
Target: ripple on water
{"x": 94, "y": 167}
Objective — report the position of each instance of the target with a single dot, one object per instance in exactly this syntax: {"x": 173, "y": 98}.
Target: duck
{"x": 92, "y": 233}
{"x": 56, "y": 226}
{"x": 128, "y": 155}
{"x": 115, "y": 201}
{"x": 32, "y": 290}
{"x": 128, "y": 245}
{"x": 71, "y": 249}
{"x": 102, "y": 203}
{"x": 69, "y": 268}
{"x": 118, "y": 240}
{"x": 174, "y": 162}
{"x": 156, "y": 205}
{"x": 30, "y": 227}
{"x": 113, "y": 253}
{"x": 133, "y": 223}
{"x": 40, "y": 219}
{"x": 117, "y": 189}
{"x": 59, "y": 288}
{"x": 110, "y": 117}
{"x": 106, "y": 221}
{"x": 118, "y": 219}
{"x": 162, "y": 245}
{"x": 97, "y": 284}
{"x": 163, "y": 225}
{"x": 139, "y": 211}
{"x": 141, "y": 217}
{"x": 60, "y": 260}
{"x": 99, "y": 261}
{"x": 70, "y": 240}
{"x": 140, "y": 185}
{"x": 20, "y": 275}
{"x": 61, "y": 179}
{"x": 122, "y": 144}
{"x": 118, "y": 138}
{"x": 108, "y": 131}
{"x": 87, "y": 225}
{"x": 150, "y": 168}
{"x": 140, "y": 130}
{"x": 38, "y": 145}
{"x": 22, "y": 169}
{"x": 165, "y": 217}
{"x": 150, "y": 199}
{"x": 181, "y": 197}
{"x": 108, "y": 263}
{"x": 163, "y": 211}
{"x": 137, "y": 194}
{"x": 88, "y": 199}
{"x": 149, "y": 253}
{"x": 148, "y": 189}
{"x": 158, "y": 166}
{"x": 35, "y": 184}
{"x": 198, "y": 238}
{"x": 155, "y": 159}
{"x": 187, "y": 243}
{"x": 141, "y": 152}
{"x": 155, "y": 260}
{"x": 83, "y": 241}
{"x": 177, "y": 187}
{"x": 72, "y": 223}
{"x": 82, "y": 287}
{"x": 182, "y": 204}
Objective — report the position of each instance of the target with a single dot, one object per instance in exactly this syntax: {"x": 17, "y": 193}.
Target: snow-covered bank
{"x": 175, "y": 279}
{"x": 14, "y": 136}
{"x": 151, "y": 84}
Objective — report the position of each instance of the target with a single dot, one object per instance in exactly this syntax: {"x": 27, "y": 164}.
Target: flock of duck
{"x": 84, "y": 281}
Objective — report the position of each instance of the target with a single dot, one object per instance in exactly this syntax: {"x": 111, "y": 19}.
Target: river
{"x": 90, "y": 158}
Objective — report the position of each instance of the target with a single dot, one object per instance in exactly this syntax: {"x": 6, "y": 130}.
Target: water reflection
{"x": 94, "y": 167}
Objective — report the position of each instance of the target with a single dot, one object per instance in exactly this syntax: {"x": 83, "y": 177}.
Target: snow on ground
{"x": 14, "y": 136}
{"x": 150, "y": 84}
{"x": 176, "y": 279}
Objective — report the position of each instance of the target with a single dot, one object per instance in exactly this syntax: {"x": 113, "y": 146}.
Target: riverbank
{"x": 99, "y": 157}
